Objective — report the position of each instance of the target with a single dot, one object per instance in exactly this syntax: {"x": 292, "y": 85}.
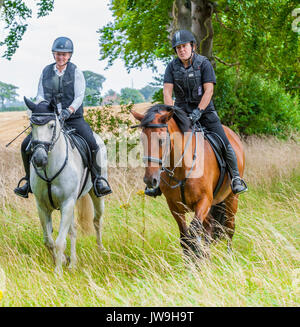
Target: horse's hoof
{"x": 101, "y": 247}
{"x": 66, "y": 260}
{"x": 72, "y": 266}
{"x": 58, "y": 271}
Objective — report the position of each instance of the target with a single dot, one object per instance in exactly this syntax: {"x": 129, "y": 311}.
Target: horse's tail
{"x": 85, "y": 210}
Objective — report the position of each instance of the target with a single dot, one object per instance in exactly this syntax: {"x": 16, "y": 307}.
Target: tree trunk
{"x": 201, "y": 13}
{"x": 181, "y": 16}
{"x": 195, "y": 16}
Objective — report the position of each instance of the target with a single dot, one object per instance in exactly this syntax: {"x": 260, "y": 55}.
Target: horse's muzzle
{"x": 40, "y": 158}
{"x": 152, "y": 181}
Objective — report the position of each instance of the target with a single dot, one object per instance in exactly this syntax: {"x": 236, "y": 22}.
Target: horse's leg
{"x": 67, "y": 215}
{"x": 181, "y": 222}
{"x": 98, "y": 217}
{"x": 231, "y": 203}
{"x": 73, "y": 234}
{"x": 200, "y": 229}
{"x": 46, "y": 222}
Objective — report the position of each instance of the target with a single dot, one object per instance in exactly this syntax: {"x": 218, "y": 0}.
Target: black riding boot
{"x": 100, "y": 188}
{"x": 25, "y": 189}
{"x": 153, "y": 192}
{"x": 237, "y": 184}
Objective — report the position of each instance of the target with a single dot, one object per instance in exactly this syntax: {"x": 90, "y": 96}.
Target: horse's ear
{"x": 166, "y": 117}
{"x": 31, "y": 105}
{"x": 137, "y": 115}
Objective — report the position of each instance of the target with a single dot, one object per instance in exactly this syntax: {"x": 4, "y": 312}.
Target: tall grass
{"x": 143, "y": 265}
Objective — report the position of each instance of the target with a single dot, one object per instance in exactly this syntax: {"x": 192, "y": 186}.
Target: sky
{"x": 78, "y": 20}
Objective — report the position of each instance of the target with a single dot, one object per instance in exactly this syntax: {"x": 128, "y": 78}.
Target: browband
{"x": 42, "y": 118}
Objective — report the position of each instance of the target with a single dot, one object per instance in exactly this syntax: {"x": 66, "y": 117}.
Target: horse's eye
{"x": 51, "y": 126}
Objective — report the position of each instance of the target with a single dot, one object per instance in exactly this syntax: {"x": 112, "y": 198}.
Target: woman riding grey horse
{"x": 59, "y": 177}
{"x": 192, "y": 79}
{"x": 64, "y": 83}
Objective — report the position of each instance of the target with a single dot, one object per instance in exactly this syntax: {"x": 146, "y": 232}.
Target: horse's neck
{"x": 178, "y": 142}
{"x": 182, "y": 149}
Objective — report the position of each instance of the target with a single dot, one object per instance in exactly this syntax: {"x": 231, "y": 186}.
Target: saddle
{"x": 80, "y": 143}
{"x": 218, "y": 147}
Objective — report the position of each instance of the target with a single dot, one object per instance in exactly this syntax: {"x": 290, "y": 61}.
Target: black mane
{"x": 179, "y": 116}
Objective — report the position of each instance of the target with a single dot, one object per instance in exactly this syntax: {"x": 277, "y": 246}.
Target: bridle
{"x": 161, "y": 162}
{"x": 152, "y": 159}
{"x": 48, "y": 147}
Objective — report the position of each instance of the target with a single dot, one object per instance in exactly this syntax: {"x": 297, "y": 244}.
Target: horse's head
{"x": 156, "y": 141}
{"x": 45, "y": 130}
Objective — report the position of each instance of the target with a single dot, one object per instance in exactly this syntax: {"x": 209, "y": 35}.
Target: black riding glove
{"x": 196, "y": 115}
{"x": 65, "y": 114}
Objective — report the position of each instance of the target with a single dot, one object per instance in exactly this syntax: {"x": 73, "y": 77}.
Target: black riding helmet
{"x": 63, "y": 44}
{"x": 182, "y": 37}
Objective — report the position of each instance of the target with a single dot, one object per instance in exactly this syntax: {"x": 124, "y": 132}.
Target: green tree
{"x": 93, "y": 88}
{"x": 8, "y": 92}
{"x": 252, "y": 35}
{"x": 111, "y": 97}
{"x": 110, "y": 93}
{"x": 129, "y": 95}
{"x": 15, "y": 14}
{"x": 148, "y": 92}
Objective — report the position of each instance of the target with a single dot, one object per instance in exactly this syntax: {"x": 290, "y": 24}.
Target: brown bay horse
{"x": 190, "y": 177}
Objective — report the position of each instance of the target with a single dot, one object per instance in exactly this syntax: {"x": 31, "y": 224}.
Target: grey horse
{"x": 58, "y": 179}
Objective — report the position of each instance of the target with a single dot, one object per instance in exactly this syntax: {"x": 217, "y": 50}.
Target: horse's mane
{"x": 179, "y": 116}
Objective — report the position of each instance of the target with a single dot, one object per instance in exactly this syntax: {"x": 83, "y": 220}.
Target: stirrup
{"x": 242, "y": 182}
{"x": 95, "y": 187}
{"x": 25, "y": 195}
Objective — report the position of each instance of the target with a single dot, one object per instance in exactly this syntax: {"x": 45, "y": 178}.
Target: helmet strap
{"x": 191, "y": 56}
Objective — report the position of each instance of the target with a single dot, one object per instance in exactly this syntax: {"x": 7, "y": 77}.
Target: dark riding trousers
{"x": 211, "y": 121}
{"x": 83, "y": 129}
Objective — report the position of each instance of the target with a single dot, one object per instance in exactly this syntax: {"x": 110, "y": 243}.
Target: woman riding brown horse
{"x": 191, "y": 175}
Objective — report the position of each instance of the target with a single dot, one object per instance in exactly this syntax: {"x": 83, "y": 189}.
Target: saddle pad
{"x": 219, "y": 149}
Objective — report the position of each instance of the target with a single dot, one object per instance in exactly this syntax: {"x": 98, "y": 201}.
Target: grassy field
{"x": 142, "y": 265}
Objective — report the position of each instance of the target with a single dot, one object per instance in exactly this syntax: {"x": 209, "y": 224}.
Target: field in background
{"x": 13, "y": 123}
{"x": 142, "y": 265}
